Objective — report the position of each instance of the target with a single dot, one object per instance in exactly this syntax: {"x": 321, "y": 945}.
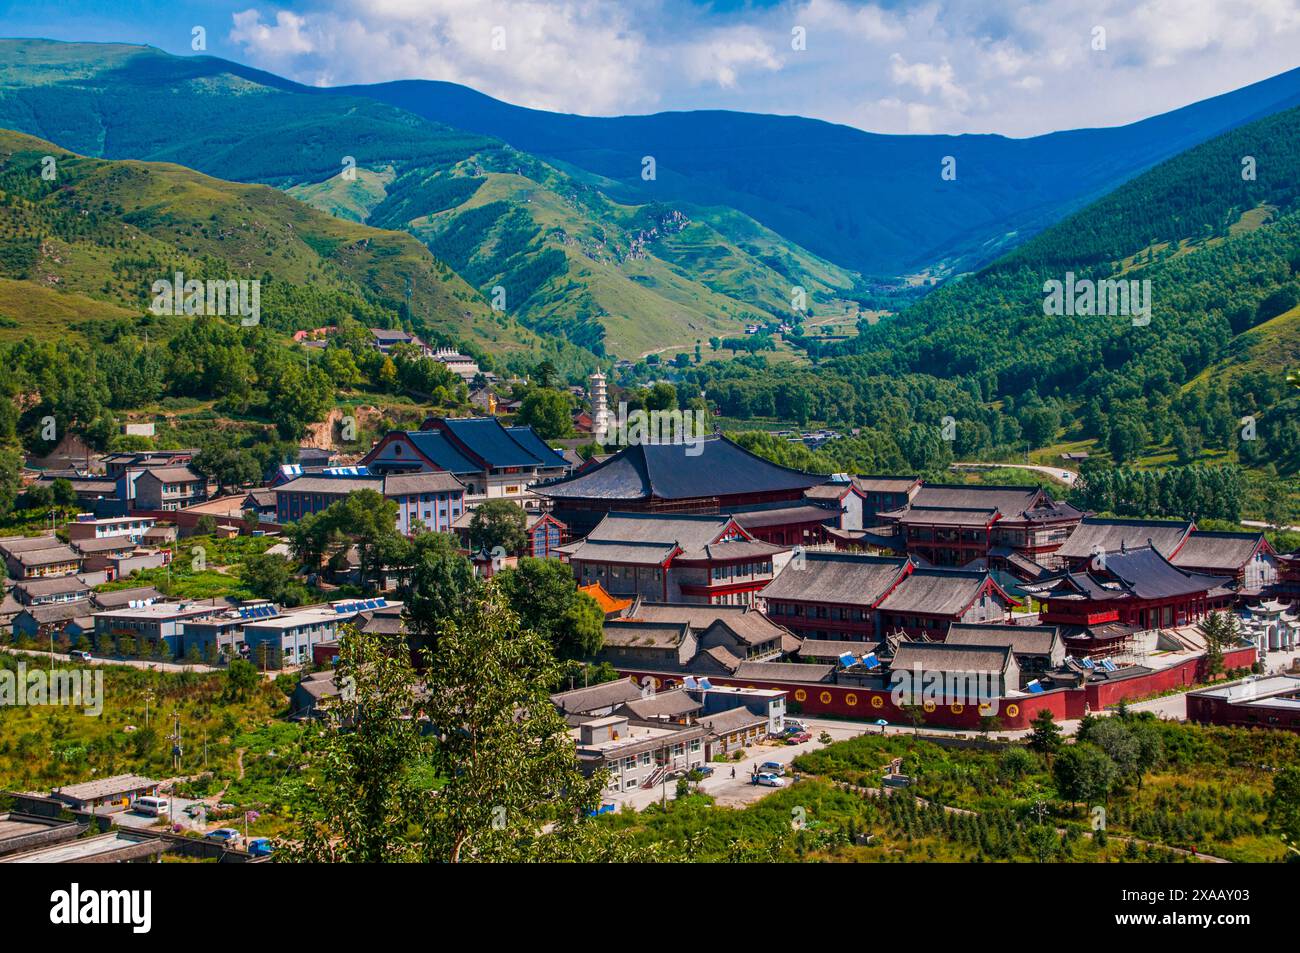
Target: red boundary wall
{"x": 851, "y": 701}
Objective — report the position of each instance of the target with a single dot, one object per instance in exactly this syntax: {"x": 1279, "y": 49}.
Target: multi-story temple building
{"x": 675, "y": 558}
{"x": 713, "y": 475}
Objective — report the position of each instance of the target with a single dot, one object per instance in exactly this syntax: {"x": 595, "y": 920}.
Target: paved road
{"x": 132, "y": 663}
{"x": 1058, "y": 474}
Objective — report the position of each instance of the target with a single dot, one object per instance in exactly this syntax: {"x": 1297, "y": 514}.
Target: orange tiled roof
{"x": 607, "y": 602}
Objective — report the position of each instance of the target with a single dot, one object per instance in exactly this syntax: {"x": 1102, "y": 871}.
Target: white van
{"x": 152, "y": 806}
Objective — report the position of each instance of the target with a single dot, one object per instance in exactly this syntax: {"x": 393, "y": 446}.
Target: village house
{"x": 431, "y": 501}
{"x": 169, "y": 488}
{"x": 87, "y": 526}
{"x": 1257, "y": 702}
{"x": 106, "y": 794}
{"x": 36, "y": 557}
{"x": 53, "y": 620}
{"x": 637, "y": 754}
{"x": 491, "y": 460}
{"x": 152, "y": 623}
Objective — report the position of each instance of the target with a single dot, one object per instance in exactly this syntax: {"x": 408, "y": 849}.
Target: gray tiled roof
{"x": 784, "y": 672}
{"x": 592, "y": 697}
{"x": 1023, "y": 639}
{"x": 1224, "y": 552}
{"x": 947, "y": 657}
{"x": 853, "y": 579}
{"x": 935, "y": 591}
{"x": 1110, "y": 535}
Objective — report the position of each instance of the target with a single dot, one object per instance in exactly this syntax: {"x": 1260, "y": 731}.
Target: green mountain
{"x": 870, "y": 202}
{"x": 623, "y": 279}
{"x": 90, "y": 240}
{"x": 1216, "y": 233}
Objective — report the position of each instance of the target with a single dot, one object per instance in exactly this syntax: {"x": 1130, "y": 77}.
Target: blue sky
{"x": 1017, "y": 67}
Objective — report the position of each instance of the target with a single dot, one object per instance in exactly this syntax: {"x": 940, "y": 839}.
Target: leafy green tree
{"x": 549, "y": 412}
{"x": 513, "y": 790}
{"x": 1045, "y": 733}
{"x": 366, "y": 800}
{"x": 1284, "y": 810}
{"x": 267, "y": 575}
{"x": 545, "y": 596}
{"x": 1083, "y": 773}
{"x": 499, "y": 523}
{"x": 441, "y": 585}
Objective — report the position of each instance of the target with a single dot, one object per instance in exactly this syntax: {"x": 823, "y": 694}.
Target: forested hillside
{"x": 1222, "y": 255}
{"x": 614, "y": 278}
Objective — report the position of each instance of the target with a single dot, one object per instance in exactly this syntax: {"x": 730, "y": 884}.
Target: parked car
{"x": 799, "y": 738}
{"x": 260, "y": 847}
{"x": 705, "y": 770}
{"x": 227, "y": 835}
{"x": 603, "y": 809}
{"x": 772, "y": 767}
{"x": 79, "y": 656}
{"x": 770, "y": 781}
{"x": 796, "y": 724}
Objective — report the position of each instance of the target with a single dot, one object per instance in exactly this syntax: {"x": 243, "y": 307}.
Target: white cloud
{"x": 1019, "y": 67}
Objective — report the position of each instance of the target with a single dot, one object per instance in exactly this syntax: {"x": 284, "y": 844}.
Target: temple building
{"x": 493, "y": 461}
{"x": 1246, "y": 558}
{"x": 675, "y": 558}
{"x": 713, "y": 475}
{"x": 1096, "y": 535}
{"x": 1011, "y": 528}
{"x": 854, "y": 597}
{"x": 1100, "y": 611}
{"x": 427, "y": 501}
{"x": 833, "y": 595}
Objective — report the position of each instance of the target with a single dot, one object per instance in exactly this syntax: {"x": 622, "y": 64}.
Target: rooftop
{"x": 667, "y": 471}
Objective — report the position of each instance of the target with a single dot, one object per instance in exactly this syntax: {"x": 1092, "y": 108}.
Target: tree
{"x": 267, "y": 576}
{"x": 1219, "y": 629}
{"x": 1045, "y": 734}
{"x": 442, "y": 585}
{"x": 1083, "y": 772}
{"x": 367, "y": 799}
{"x": 543, "y": 593}
{"x": 62, "y": 492}
{"x": 206, "y": 525}
{"x": 229, "y": 467}
{"x": 499, "y": 523}
{"x": 1113, "y": 736}
{"x": 513, "y": 790}
{"x": 549, "y": 412}
{"x": 1284, "y": 810}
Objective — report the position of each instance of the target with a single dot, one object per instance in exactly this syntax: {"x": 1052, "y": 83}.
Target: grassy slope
{"x": 177, "y": 215}
{"x": 723, "y": 270}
